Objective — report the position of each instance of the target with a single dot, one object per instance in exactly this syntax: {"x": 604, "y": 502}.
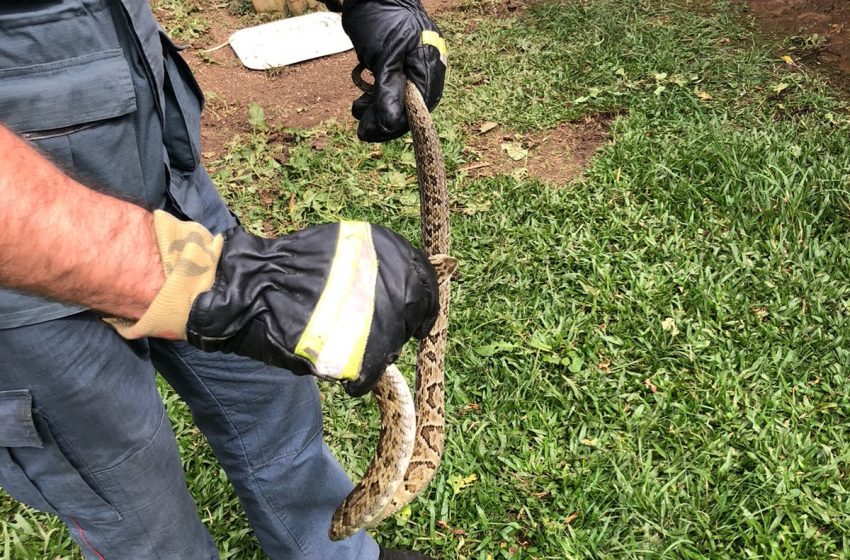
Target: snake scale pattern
{"x": 412, "y": 428}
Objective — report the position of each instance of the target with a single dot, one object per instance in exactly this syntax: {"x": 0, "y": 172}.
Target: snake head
{"x": 445, "y": 266}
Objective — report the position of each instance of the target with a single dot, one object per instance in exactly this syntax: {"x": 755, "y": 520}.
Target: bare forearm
{"x": 64, "y": 241}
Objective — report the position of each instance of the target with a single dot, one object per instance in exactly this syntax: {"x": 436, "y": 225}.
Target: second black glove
{"x": 397, "y": 41}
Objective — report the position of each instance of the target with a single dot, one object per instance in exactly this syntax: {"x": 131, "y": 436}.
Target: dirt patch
{"x": 299, "y": 96}
{"x": 493, "y": 8}
{"x": 558, "y": 155}
{"x": 438, "y": 6}
{"x": 822, "y": 25}
{"x": 302, "y": 95}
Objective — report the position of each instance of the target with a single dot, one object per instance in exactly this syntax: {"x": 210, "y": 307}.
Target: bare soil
{"x": 829, "y": 19}
{"x": 558, "y": 155}
{"x": 298, "y": 96}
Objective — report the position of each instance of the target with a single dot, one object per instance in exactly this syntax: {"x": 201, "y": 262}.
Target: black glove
{"x": 397, "y": 41}
{"x": 337, "y": 301}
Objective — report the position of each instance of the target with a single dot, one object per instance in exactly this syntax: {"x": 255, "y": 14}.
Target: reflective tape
{"x": 433, "y": 38}
{"x": 335, "y": 337}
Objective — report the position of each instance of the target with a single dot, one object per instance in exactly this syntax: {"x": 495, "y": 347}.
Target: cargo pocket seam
{"x": 38, "y": 471}
{"x": 69, "y": 451}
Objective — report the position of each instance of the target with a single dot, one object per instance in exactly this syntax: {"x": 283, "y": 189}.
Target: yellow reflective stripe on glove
{"x": 433, "y": 38}
{"x": 347, "y": 301}
{"x": 190, "y": 255}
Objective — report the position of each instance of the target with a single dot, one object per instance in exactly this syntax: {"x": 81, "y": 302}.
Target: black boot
{"x": 402, "y": 555}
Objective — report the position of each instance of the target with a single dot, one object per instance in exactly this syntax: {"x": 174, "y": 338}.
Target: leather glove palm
{"x": 337, "y": 301}
{"x": 397, "y": 41}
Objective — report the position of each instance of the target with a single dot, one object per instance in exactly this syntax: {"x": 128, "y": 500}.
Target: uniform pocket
{"x": 80, "y": 113}
{"x": 49, "y": 99}
{"x": 35, "y": 471}
{"x": 184, "y": 103}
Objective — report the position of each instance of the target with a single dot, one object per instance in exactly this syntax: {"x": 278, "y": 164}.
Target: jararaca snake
{"x": 412, "y": 428}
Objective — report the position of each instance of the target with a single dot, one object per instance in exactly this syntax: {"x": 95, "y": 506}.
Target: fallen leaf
{"x": 487, "y": 127}
{"x": 515, "y": 151}
{"x": 257, "y": 117}
{"x": 570, "y": 518}
{"x": 592, "y": 93}
{"x": 788, "y": 60}
{"x": 779, "y": 88}
{"x": 396, "y": 180}
{"x": 704, "y": 96}
{"x": 650, "y": 385}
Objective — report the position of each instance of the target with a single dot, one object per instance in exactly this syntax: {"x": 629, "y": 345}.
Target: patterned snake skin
{"x": 412, "y": 430}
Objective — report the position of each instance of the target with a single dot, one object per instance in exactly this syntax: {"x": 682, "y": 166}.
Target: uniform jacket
{"x": 99, "y": 89}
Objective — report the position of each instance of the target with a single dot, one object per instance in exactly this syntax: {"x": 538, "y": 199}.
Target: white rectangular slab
{"x": 290, "y": 40}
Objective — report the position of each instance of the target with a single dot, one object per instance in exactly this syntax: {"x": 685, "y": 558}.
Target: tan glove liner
{"x": 190, "y": 255}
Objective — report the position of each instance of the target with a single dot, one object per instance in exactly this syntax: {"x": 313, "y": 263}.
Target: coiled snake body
{"x": 412, "y": 428}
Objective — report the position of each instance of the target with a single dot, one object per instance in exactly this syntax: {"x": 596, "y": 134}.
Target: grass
{"x": 649, "y": 362}
{"x": 184, "y": 20}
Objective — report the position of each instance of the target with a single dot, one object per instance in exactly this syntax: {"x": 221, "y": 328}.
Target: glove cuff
{"x": 190, "y": 255}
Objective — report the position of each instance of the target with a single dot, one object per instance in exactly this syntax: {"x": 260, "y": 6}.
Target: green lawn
{"x": 649, "y": 362}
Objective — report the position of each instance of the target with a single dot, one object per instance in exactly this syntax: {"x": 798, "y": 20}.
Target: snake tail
{"x": 392, "y": 455}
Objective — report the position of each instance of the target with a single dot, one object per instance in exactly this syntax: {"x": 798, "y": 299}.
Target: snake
{"x": 413, "y": 427}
